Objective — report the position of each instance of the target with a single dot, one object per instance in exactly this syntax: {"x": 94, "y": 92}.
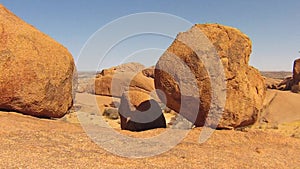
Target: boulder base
{"x": 138, "y": 112}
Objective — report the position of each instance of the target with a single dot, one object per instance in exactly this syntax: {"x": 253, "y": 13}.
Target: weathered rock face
{"x": 116, "y": 80}
{"x": 245, "y": 86}
{"x": 36, "y": 72}
{"x": 138, "y": 112}
{"x": 296, "y": 71}
{"x": 295, "y": 87}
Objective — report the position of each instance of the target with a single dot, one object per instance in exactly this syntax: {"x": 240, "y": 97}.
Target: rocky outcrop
{"x": 278, "y": 84}
{"x": 271, "y": 83}
{"x": 296, "y": 77}
{"x": 36, "y": 72}
{"x": 117, "y": 83}
{"x": 285, "y": 84}
{"x": 289, "y": 83}
{"x": 296, "y": 70}
{"x": 245, "y": 86}
{"x": 116, "y": 80}
{"x": 139, "y": 112}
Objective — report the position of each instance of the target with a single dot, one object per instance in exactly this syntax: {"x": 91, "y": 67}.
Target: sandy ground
{"x": 281, "y": 113}
{"x": 284, "y": 107}
{"x": 28, "y": 142}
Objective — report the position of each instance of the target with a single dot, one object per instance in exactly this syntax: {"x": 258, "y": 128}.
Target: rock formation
{"x": 289, "y": 83}
{"x": 36, "y": 72}
{"x": 296, "y": 77}
{"x": 296, "y": 70}
{"x": 116, "y": 80}
{"x": 271, "y": 83}
{"x": 139, "y": 112}
{"x": 245, "y": 86}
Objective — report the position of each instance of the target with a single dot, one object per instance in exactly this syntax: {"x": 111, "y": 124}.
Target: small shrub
{"x": 111, "y": 113}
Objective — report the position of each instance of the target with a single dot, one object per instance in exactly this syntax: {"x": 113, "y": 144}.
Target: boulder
{"x": 271, "y": 83}
{"x": 279, "y": 84}
{"x": 126, "y": 67}
{"x": 138, "y": 112}
{"x": 116, "y": 80}
{"x": 291, "y": 83}
{"x": 296, "y": 71}
{"x": 36, "y": 72}
{"x": 245, "y": 88}
{"x": 286, "y": 84}
{"x": 129, "y": 67}
{"x": 295, "y": 88}
{"x": 296, "y": 77}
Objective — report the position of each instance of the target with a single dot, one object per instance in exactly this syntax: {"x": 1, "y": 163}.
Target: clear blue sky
{"x": 272, "y": 25}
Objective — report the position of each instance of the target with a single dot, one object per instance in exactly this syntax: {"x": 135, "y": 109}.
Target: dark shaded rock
{"x": 271, "y": 83}
{"x": 296, "y": 71}
{"x": 138, "y": 112}
{"x": 296, "y": 76}
{"x": 285, "y": 84}
{"x": 295, "y": 88}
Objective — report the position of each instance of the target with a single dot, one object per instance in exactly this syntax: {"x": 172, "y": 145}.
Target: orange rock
{"x": 245, "y": 85}
{"x": 36, "y": 72}
{"x": 116, "y": 80}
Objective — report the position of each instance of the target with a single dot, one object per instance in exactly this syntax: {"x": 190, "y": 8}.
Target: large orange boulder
{"x": 36, "y": 72}
{"x": 245, "y": 90}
